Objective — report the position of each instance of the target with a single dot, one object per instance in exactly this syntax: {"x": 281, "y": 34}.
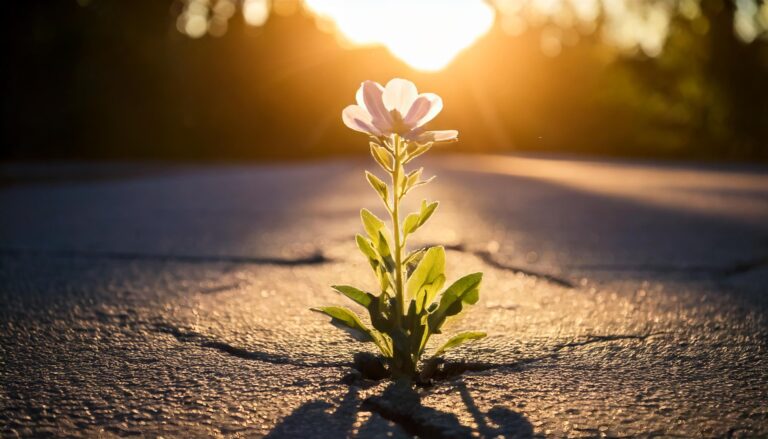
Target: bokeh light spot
{"x": 196, "y": 26}
{"x": 256, "y": 12}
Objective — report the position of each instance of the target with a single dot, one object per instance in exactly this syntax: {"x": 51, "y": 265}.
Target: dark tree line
{"x": 115, "y": 79}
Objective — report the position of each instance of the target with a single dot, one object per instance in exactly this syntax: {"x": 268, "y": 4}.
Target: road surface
{"x": 620, "y": 298}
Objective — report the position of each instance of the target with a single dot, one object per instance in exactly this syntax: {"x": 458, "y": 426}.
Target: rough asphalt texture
{"x": 621, "y": 300}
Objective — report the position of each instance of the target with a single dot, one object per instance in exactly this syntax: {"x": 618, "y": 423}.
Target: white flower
{"x": 396, "y": 109}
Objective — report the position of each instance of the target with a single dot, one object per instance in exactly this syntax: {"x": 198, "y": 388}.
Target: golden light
{"x": 255, "y": 12}
{"x": 427, "y": 35}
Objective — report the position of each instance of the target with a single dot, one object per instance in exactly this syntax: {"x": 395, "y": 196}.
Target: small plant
{"x": 408, "y": 309}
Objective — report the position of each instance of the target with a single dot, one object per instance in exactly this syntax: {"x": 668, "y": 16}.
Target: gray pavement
{"x": 621, "y": 299}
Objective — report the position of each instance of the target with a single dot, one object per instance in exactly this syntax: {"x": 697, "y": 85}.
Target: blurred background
{"x": 267, "y": 79}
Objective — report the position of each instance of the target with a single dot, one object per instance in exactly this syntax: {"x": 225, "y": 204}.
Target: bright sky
{"x": 426, "y": 35}
{"x": 429, "y": 34}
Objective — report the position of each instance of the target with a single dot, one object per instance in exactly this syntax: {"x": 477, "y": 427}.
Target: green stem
{"x": 399, "y": 293}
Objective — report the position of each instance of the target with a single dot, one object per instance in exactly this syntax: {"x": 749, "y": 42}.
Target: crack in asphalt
{"x": 712, "y": 270}
{"x": 488, "y": 258}
{"x": 745, "y": 267}
{"x": 401, "y": 404}
{"x": 591, "y": 338}
{"x": 453, "y": 369}
{"x": 737, "y": 268}
{"x": 448, "y": 370}
{"x": 405, "y": 410}
{"x": 317, "y": 258}
{"x": 220, "y": 288}
{"x": 204, "y": 341}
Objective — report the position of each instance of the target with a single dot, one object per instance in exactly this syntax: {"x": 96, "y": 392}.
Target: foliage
{"x": 407, "y": 310}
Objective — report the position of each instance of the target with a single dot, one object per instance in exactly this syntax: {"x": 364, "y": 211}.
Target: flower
{"x": 396, "y": 109}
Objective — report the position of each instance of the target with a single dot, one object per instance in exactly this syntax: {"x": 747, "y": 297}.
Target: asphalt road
{"x": 621, "y": 299}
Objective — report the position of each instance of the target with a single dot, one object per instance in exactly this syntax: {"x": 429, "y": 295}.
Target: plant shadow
{"x": 398, "y": 412}
{"x": 314, "y": 419}
{"x": 507, "y": 423}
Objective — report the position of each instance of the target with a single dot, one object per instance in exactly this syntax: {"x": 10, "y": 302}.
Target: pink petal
{"x": 358, "y": 119}
{"x": 433, "y": 136}
{"x": 359, "y": 96}
{"x": 372, "y": 98}
{"x": 424, "y": 109}
{"x": 444, "y": 135}
{"x": 419, "y": 109}
{"x": 399, "y": 95}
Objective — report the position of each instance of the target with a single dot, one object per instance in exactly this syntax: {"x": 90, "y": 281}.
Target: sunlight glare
{"x": 256, "y": 12}
{"x": 427, "y": 35}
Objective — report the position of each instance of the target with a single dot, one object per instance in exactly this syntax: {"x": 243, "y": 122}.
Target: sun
{"x": 426, "y": 34}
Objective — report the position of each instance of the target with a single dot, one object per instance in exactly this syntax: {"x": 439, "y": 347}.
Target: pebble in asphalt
{"x": 620, "y": 299}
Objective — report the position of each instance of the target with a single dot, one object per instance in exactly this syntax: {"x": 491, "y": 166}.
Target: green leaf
{"x": 359, "y": 296}
{"x": 423, "y": 336}
{"x": 417, "y": 151}
{"x": 383, "y": 275}
{"x": 412, "y": 260}
{"x": 380, "y": 311}
{"x": 426, "y": 211}
{"x": 414, "y": 257}
{"x": 427, "y": 278}
{"x": 347, "y": 320}
{"x": 412, "y": 178}
{"x": 385, "y": 253}
{"x": 411, "y": 223}
{"x": 465, "y": 290}
{"x": 459, "y": 339}
{"x": 415, "y": 323}
{"x": 377, "y": 141}
{"x": 423, "y": 182}
{"x": 382, "y": 156}
{"x": 400, "y": 182}
{"x": 415, "y": 220}
{"x": 366, "y": 248}
{"x": 378, "y": 233}
{"x": 372, "y": 224}
{"x": 379, "y": 186}
{"x": 382, "y": 265}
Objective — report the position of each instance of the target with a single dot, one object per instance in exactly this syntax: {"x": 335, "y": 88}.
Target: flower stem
{"x": 399, "y": 293}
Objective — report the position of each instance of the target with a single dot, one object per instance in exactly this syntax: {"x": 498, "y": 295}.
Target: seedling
{"x": 407, "y": 310}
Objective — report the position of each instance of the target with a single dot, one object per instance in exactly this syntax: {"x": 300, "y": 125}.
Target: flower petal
{"x": 359, "y": 96}
{"x": 419, "y": 109}
{"x": 424, "y": 109}
{"x": 444, "y": 135}
{"x": 371, "y": 94}
{"x": 399, "y": 95}
{"x": 434, "y": 136}
{"x": 358, "y": 119}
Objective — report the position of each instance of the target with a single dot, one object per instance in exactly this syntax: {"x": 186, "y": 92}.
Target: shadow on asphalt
{"x": 399, "y": 408}
{"x": 315, "y": 419}
{"x": 400, "y": 404}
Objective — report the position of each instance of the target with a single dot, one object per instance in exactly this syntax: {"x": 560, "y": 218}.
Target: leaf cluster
{"x": 411, "y": 303}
